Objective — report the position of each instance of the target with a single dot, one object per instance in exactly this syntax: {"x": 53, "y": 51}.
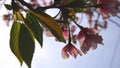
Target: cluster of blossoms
{"x": 30, "y": 22}
{"x": 88, "y": 38}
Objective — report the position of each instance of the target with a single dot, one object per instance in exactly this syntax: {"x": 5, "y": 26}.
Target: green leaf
{"x": 9, "y": 7}
{"x": 26, "y": 44}
{"x": 51, "y": 24}
{"x": 14, "y": 35}
{"x": 34, "y": 25}
{"x": 18, "y": 16}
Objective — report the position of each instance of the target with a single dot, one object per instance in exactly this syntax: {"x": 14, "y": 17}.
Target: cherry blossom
{"x": 70, "y": 49}
{"x": 107, "y": 8}
{"x": 65, "y": 34}
{"x": 89, "y": 38}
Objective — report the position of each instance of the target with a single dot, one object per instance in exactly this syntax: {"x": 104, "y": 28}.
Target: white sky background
{"x": 50, "y": 55}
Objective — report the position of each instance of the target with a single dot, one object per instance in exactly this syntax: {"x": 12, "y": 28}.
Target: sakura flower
{"x": 65, "y": 34}
{"x": 89, "y": 38}
{"x": 70, "y": 49}
{"x": 107, "y": 8}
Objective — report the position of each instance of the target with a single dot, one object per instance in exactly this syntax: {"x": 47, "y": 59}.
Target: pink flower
{"x": 70, "y": 49}
{"x": 65, "y": 34}
{"x": 89, "y": 38}
{"x": 107, "y": 8}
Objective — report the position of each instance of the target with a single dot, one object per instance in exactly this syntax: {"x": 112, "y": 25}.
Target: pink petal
{"x": 64, "y": 54}
{"x": 81, "y": 38}
{"x": 94, "y": 45}
{"x": 65, "y": 34}
{"x": 74, "y": 51}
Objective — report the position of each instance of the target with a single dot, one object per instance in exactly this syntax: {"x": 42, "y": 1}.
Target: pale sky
{"x": 50, "y": 55}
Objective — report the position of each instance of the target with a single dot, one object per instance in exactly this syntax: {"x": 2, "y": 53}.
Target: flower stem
{"x": 69, "y": 40}
{"x": 114, "y": 22}
{"x": 81, "y": 27}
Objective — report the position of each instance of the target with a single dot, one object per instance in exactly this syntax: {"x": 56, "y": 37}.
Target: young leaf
{"x": 34, "y": 25}
{"x": 50, "y": 23}
{"x": 18, "y": 16}
{"x": 9, "y": 7}
{"x": 26, "y": 44}
{"x": 14, "y": 35}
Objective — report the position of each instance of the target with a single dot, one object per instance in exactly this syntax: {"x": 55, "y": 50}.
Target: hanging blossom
{"x": 89, "y": 38}
{"x": 65, "y": 34}
{"x": 107, "y": 8}
{"x": 70, "y": 49}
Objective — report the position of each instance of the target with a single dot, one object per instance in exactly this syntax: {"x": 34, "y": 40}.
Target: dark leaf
{"x": 51, "y": 24}
{"x": 9, "y": 7}
{"x": 26, "y": 44}
{"x": 14, "y": 35}
{"x": 34, "y": 25}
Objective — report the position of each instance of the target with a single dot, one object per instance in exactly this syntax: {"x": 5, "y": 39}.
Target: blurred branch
{"x": 118, "y": 16}
{"x": 29, "y": 6}
{"x": 114, "y": 22}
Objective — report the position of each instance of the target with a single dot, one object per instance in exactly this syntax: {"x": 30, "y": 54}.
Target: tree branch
{"x": 114, "y": 22}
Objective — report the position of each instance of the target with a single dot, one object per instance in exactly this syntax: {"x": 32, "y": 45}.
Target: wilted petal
{"x": 74, "y": 51}
{"x": 64, "y": 54}
{"x": 70, "y": 49}
{"x": 89, "y": 39}
{"x": 94, "y": 45}
{"x": 96, "y": 38}
{"x": 81, "y": 38}
{"x": 80, "y": 53}
{"x": 86, "y": 45}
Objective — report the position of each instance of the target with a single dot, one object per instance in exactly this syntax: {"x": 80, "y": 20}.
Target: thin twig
{"x": 114, "y": 22}
{"x": 118, "y": 16}
{"x": 81, "y": 27}
{"x": 57, "y": 14}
